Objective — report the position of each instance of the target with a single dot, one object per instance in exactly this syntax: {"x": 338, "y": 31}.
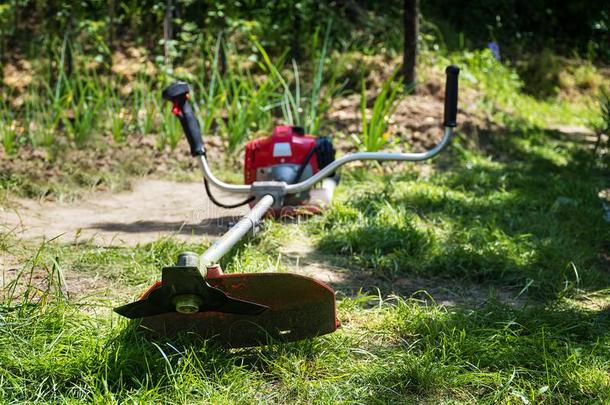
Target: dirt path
{"x": 156, "y": 208}
{"x": 153, "y": 208}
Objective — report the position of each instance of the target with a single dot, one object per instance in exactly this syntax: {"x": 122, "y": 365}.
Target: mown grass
{"x": 526, "y": 215}
{"x": 522, "y": 216}
{"x": 388, "y": 351}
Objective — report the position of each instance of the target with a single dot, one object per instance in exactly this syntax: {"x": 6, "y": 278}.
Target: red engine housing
{"x": 286, "y": 145}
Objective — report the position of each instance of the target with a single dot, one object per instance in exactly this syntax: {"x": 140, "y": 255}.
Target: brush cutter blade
{"x": 186, "y": 285}
{"x": 298, "y": 307}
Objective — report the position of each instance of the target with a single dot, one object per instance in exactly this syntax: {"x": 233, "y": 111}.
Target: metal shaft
{"x": 229, "y": 239}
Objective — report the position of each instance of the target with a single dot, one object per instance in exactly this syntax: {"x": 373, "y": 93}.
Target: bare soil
{"x": 151, "y": 209}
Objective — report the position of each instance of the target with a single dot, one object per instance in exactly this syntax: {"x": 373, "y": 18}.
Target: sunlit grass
{"x": 390, "y": 351}
{"x": 525, "y": 218}
{"x": 530, "y": 218}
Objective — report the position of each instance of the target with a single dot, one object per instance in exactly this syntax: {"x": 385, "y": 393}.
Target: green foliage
{"x": 540, "y": 73}
{"x": 9, "y": 137}
{"x": 81, "y": 107}
{"x": 604, "y": 112}
{"x": 374, "y": 134}
{"x": 146, "y": 107}
{"x": 601, "y": 125}
{"x": 171, "y": 130}
{"x": 502, "y": 96}
{"x": 497, "y": 81}
{"x": 390, "y": 349}
{"x": 247, "y": 103}
{"x": 374, "y": 232}
{"x": 522, "y": 26}
{"x": 523, "y": 217}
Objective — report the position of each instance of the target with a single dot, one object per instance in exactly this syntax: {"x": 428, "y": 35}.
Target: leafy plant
{"x": 211, "y": 98}
{"x": 117, "y": 126}
{"x": 374, "y": 134}
{"x": 247, "y": 106}
{"x": 245, "y": 101}
{"x": 8, "y": 136}
{"x": 145, "y": 107}
{"x": 85, "y": 106}
{"x": 312, "y": 112}
{"x": 170, "y": 132}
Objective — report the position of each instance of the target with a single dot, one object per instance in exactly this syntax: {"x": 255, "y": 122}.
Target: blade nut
{"x": 187, "y": 303}
{"x": 188, "y": 259}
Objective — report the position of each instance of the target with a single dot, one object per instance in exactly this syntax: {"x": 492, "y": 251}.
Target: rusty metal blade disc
{"x": 298, "y": 307}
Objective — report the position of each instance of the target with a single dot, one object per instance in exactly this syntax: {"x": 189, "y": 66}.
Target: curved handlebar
{"x": 379, "y": 156}
{"x": 178, "y": 94}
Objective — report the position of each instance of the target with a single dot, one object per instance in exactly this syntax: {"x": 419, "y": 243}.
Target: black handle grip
{"x": 177, "y": 93}
{"x": 451, "y": 96}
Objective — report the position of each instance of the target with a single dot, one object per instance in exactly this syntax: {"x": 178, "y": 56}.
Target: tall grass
{"x": 242, "y": 103}
{"x": 170, "y": 132}
{"x": 9, "y": 137}
{"x": 87, "y": 103}
{"x": 304, "y": 107}
{"x": 374, "y": 135}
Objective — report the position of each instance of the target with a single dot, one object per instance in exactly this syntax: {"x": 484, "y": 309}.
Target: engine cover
{"x": 279, "y": 156}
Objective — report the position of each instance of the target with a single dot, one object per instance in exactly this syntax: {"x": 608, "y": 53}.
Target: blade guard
{"x": 299, "y": 307}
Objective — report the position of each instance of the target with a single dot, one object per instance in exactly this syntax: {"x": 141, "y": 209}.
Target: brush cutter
{"x": 250, "y": 309}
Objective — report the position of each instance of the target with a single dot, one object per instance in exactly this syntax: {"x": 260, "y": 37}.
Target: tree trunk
{"x": 167, "y": 30}
{"x": 111, "y": 28}
{"x": 296, "y": 36}
{"x": 411, "y": 27}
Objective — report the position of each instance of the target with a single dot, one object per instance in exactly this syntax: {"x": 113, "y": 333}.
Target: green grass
{"x": 504, "y": 95}
{"x": 525, "y": 218}
{"x": 79, "y": 175}
{"x": 388, "y": 351}
{"x": 374, "y": 135}
{"x": 529, "y": 217}
{"x": 522, "y": 216}
{"x": 81, "y": 108}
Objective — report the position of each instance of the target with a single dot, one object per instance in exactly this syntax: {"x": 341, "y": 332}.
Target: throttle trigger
{"x": 176, "y": 109}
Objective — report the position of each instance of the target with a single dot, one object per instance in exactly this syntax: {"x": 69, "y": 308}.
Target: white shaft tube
{"x": 234, "y": 235}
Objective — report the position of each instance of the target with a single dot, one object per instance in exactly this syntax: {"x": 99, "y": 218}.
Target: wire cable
{"x": 222, "y": 205}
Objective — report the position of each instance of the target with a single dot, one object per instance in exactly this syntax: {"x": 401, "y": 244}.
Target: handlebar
{"x": 451, "y": 96}
{"x": 178, "y": 94}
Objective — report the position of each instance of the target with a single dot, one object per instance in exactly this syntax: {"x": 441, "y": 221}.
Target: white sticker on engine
{"x": 282, "y": 149}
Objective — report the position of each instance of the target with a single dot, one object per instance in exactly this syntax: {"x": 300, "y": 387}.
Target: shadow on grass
{"x": 408, "y": 351}
{"x": 526, "y": 216}
{"x": 495, "y": 352}
{"x": 529, "y": 219}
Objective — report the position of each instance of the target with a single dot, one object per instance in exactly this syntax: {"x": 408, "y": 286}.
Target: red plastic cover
{"x": 285, "y": 145}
